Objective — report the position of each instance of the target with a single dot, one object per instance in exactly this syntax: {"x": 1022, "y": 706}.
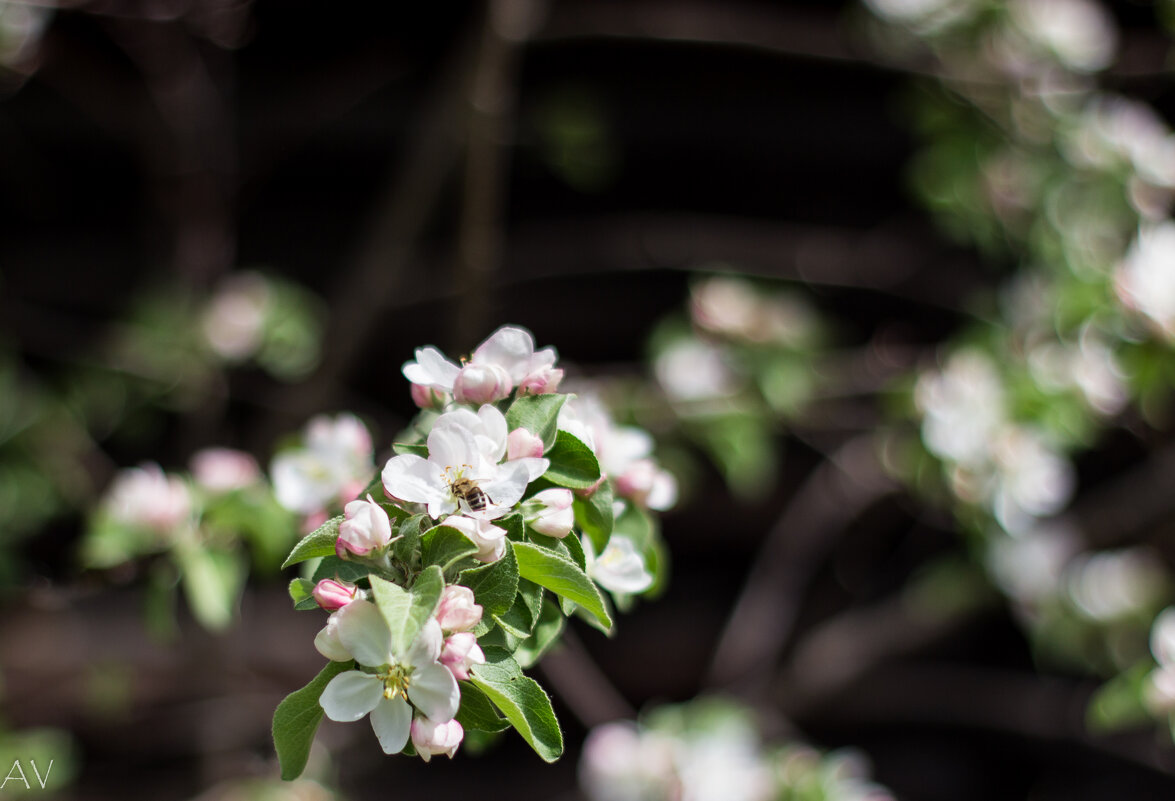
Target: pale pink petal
{"x": 350, "y": 695}
{"x": 364, "y": 633}
{"x": 411, "y": 478}
{"x": 434, "y": 692}
{"x": 391, "y": 720}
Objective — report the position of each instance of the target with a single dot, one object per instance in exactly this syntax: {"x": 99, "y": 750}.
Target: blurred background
{"x": 891, "y": 285}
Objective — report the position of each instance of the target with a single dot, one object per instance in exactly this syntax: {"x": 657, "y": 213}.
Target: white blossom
{"x": 962, "y": 407}
{"x": 1110, "y": 585}
{"x": 415, "y": 676}
{"x": 463, "y": 470}
{"x": 334, "y": 464}
{"x": 1146, "y": 277}
{"x": 619, "y": 567}
{"x": 145, "y": 497}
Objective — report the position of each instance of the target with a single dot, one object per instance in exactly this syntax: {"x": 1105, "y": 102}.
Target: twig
{"x": 983, "y": 699}
{"x": 846, "y": 647}
{"x": 379, "y": 270}
{"x": 570, "y": 670}
{"x": 759, "y": 626}
{"x": 492, "y": 99}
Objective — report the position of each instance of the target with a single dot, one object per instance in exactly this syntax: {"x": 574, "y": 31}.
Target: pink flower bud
{"x": 426, "y": 397}
{"x": 224, "y": 469}
{"x": 541, "y": 381}
{"x": 146, "y": 497}
{"x": 457, "y": 610}
{"x": 521, "y": 444}
{"x": 647, "y": 485}
{"x": 489, "y": 539}
{"x": 432, "y": 739}
{"x": 351, "y": 491}
{"x": 365, "y": 528}
{"x": 553, "y": 514}
{"x": 313, "y": 521}
{"x": 332, "y": 595}
{"x": 482, "y": 383}
{"x": 461, "y": 652}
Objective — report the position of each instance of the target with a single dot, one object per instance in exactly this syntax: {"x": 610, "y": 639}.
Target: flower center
{"x": 396, "y": 680}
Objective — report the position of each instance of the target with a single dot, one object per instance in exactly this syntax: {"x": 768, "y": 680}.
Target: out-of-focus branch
{"x": 576, "y": 678}
{"x": 380, "y": 268}
{"x": 983, "y": 699}
{"x": 819, "y": 34}
{"x": 760, "y": 625}
{"x": 846, "y": 647}
{"x": 1117, "y": 512}
{"x": 897, "y": 259}
{"x": 193, "y": 160}
{"x": 492, "y": 99}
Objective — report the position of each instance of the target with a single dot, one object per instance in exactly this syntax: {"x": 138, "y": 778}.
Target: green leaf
{"x": 635, "y": 524}
{"x": 406, "y": 611}
{"x": 538, "y": 414}
{"x": 332, "y": 567}
{"x": 499, "y": 637}
{"x": 416, "y": 449}
{"x": 212, "y": 582}
{"x": 302, "y": 593}
{"x": 409, "y": 532}
{"x": 593, "y": 515}
{"x": 445, "y": 546}
{"x": 1118, "y": 703}
{"x": 320, "y": 542}
{"x": 296, "y": 719}
{"x": 522, "y": 701}
{"x": 494, "y": 585}
{"x": 657, "y": 563}
{"x": 561, "y": 576}
{"x": 546, "y": 633}
{"x": 573, "y": 464}
{"x": 521, "y": 617}
{"x": 477, "y": 713}
{"x": 515, "y": 526}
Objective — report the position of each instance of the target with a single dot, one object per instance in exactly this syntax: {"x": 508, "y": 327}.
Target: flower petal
{"x": 492, "y": 443}
{"x": 510, "y": 347}
{"x": 451, "y": 445}
{"x": 507, "y": 487}
{"x": 328, "y": 643}
{"x": 392, "y": 721}
{"x": 619, "y": 568}
{"x": 431, "y": 369}
{"x": 427, "y": 645}
{"x": 350, "y": 695}
{"x": 364, "y": 633}
{"x": 434, "y": 691}
{"x": 413, "y": 479}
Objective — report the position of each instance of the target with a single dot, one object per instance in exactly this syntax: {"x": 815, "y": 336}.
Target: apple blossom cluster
{"x": 710, "y": 750}
{"x": 1028, "y": 158}
{"x": 197, "y": 527}
{"x": 331, "y": 466}
{"x": 741, "y": 366}
{"x": 254, "y": 317}
{"x": 506, "y": 507}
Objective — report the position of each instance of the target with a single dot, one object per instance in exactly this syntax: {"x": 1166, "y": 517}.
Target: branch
{"x": 492, "y": 101}
{"x": 759, "y": 627}
{"x": 570, "y": 670}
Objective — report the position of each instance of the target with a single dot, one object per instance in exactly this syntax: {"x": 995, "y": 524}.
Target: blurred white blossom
{"x": 333, "y": 465}
{"x": 1146, "y": 276}
{"x": 1109, "y": 585}
{"x": 692, "y": 370}
{"x": 145, "y": 497}
{"x": 962, "y": 407}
